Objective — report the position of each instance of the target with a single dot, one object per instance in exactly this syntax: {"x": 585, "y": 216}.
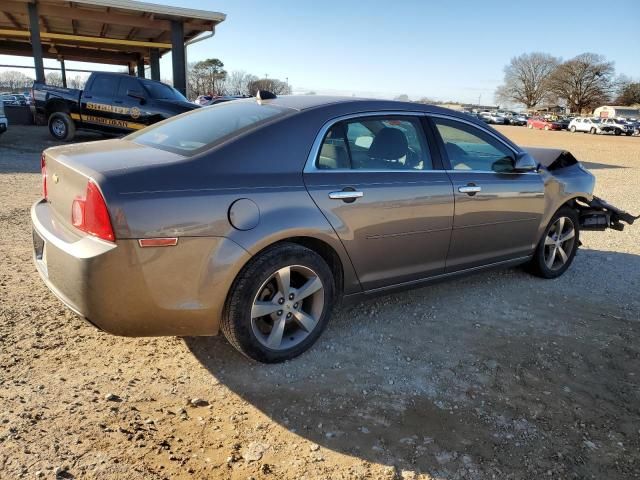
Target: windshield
{"x": 201, "y": 129}
{"x": 160, "y": 91}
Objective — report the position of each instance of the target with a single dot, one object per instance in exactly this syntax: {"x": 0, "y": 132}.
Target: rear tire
{"x": 270, "y": 316}
{"x": 558, "y": 245}
{"x": 546, "y": 127}
{"x": 530, "y": 126}
{"x": 62, "y": 127}
{"x": 618, "y": 132}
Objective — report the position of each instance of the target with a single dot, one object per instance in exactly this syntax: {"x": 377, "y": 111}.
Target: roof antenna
{"x": 265, "y": 95}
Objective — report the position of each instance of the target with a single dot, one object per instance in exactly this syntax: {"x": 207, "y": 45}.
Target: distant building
{"x": 617, "y": 112}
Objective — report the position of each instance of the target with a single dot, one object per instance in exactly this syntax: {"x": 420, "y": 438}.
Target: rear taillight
{"x": 90, "y": 214}
{"x": 43, "y": 169}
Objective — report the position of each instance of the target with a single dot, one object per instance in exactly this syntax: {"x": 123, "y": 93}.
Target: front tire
{"x": 573, "y": 129}
{"x": 592, "y": 131}
{"x": 558, "y": 245}
{"x": 62, "y": 127}
{"x": 279, "y": 304}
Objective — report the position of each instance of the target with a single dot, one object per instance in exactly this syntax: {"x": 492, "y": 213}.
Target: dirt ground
{"x": 499, "y": 375}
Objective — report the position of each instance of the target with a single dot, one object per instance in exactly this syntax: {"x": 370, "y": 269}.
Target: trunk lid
{"x": 70, "y": 167}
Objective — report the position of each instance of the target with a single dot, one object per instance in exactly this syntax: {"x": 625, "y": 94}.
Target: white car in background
{"x": 584, "y": 124}
{"x": 4, "y": 123}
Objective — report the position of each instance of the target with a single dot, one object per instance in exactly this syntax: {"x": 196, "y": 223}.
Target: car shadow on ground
{"x": 465, "y": 376}
{"x": 599, "y": 166}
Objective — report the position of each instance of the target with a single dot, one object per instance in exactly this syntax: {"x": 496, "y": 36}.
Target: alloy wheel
{"x": 58, "y": 127}
{"x": 287, "y": 307}
{"x": 558, "y": 244}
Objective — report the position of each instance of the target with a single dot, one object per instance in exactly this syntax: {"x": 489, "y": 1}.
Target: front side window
{"x": 160, "y": 91}
{"x": 469, "y": 148}
{"x": 375, "y": 143}
{"x": 126, "y": 84}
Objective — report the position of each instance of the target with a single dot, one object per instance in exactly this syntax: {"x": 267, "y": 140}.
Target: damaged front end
{"x": 573, "y": 182}
{"x": 600, "y": 215}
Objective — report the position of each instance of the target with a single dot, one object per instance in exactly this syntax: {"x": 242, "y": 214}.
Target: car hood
{"x": 552, "y": 158}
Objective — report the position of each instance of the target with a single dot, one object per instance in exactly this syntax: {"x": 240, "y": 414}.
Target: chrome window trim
{"x": 310, "y": 164}
{"x": 491, "y": 171}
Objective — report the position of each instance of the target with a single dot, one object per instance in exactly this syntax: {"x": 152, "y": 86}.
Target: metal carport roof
{"x": 102, "y": 31}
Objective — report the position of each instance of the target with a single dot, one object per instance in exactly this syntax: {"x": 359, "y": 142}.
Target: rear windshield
{"x": 201, "y": 129}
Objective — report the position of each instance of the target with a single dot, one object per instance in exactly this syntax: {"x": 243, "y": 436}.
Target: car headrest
{"x": 332, "y": 157}
{"x": 389, "y": 144}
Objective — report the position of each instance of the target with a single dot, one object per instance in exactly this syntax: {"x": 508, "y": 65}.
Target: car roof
{"x": 307, "y": 102}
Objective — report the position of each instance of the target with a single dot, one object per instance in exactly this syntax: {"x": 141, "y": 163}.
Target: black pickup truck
{"x": 111, "y": 103}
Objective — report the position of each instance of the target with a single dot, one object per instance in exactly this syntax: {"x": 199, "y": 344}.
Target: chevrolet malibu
{"x": 256, "y": 217}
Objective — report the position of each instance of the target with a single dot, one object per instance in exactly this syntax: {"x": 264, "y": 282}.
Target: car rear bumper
{"x": 127, "y": 290}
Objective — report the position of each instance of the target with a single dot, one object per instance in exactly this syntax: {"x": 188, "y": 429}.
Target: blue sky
{"x": 442, "y": 50}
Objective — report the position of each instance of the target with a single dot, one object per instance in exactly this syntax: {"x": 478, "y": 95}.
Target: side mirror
{"x": 137, "y": 94}
{"x": 524, "y": 163}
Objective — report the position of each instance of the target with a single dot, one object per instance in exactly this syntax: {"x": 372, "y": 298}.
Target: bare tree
{"x": 273, "y": 85}
{"x": 13, "y": 80}
{"x": 526, "y": 79}
{"x": 628, "y": 91}
{"x": 54, "y": 79}
{"x": 402, "y": 98}
{"x": 584, "y": 82}
{"x": 237, "y": 83}
{"x": 77, "y": 81}
{"x": 206, "y": 77}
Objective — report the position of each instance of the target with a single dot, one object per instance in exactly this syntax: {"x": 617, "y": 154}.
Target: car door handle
{"x": 346, "y": 195}
{"x": 470, "y": 189}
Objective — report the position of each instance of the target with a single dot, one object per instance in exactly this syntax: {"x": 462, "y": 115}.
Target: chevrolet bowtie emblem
{"x": 55, "y": 178}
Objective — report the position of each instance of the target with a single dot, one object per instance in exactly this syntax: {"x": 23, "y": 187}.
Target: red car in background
{"x": 542, "y": 123}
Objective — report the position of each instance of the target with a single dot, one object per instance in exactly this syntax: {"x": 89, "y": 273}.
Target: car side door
{"x": 497, "y": 210}
{"x": 132, "y": 100}
{"x": 380, "y": 183}
{"x": 97, "y": 103}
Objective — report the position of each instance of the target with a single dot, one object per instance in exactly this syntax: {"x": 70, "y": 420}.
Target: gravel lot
{"x": 498, "y": 375}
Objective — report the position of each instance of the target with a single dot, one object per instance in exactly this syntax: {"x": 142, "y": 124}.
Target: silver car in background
{"x": 256, "y": 217}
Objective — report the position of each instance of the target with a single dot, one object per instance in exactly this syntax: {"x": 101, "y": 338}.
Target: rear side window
{"x": 104, "y": 85}
{"x": 201, "y": 129}
{"x": 375, "y": 143}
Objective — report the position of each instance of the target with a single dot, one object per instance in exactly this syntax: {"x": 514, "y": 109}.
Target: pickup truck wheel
{"x": 61, "y": 126}
{"x": 558, "y": 245}
{"x": 279, "y": 304}
{"x": 618, "y": 132}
